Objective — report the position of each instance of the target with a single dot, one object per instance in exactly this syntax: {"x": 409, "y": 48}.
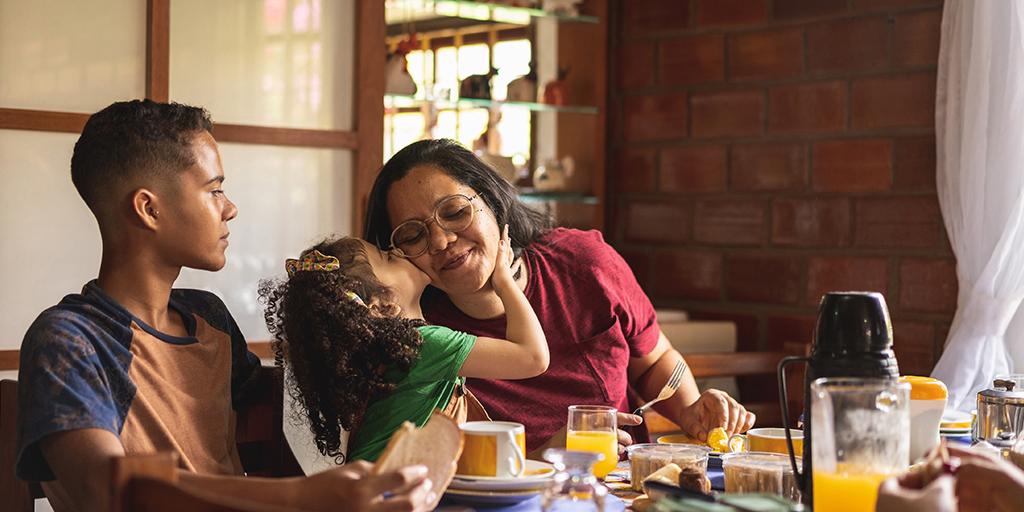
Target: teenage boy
{"x": 131, "y": 365}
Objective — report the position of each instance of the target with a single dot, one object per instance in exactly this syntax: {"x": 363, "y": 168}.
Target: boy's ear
{"x": 144, "y": 207}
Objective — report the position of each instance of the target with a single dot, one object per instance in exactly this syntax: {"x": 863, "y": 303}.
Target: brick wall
{"x": 766, "y": 151}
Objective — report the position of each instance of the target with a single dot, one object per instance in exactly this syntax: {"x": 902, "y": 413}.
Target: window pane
{"x": 421, "y": 69}
{"x": 71, "y": 56}
{"x": 446, "y": 77}
{"x": 512, "y": 60}
{"x": 288, "y": 199}
{"x": 265, "y": 62}
{"x": 405, "y": 129}
{"x": 514, "y": 128}
{"x": 473, "y": 60}
{"x": 472, "y": 123}
{"x": 51, "y": 245}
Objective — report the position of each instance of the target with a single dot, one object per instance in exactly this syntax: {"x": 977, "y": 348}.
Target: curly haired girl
{"x": 348, "y": 323}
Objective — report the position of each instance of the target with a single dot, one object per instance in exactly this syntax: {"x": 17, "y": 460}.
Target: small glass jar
{"x": 760, "y": 472}
{"x": 645, "y": 459}
{"x": 574, "y": 488}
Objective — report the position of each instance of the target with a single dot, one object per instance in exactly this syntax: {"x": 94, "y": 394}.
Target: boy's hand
{"x": 352, "y": 487}
{"x": 501, "y": 278}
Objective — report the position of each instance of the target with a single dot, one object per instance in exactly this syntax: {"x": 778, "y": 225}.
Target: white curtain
{"x": 980, "y": 141}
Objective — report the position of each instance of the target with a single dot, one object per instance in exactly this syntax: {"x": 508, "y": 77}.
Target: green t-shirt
{"x": 428, "y": 386}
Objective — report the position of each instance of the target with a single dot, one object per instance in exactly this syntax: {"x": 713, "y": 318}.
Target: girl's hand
{"x": 501, "y": 278}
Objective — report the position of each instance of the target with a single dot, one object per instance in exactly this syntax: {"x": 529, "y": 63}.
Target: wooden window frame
{"x": 365, "y": 140}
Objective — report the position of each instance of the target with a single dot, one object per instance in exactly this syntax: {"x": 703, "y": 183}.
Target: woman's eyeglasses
{"x": 412, "y": 237}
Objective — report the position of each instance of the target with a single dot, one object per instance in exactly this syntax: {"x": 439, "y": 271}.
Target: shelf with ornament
{"x": 515, "y": 12}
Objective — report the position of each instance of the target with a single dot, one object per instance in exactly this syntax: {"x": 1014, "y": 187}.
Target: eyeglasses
{"x": 453, "y": 214}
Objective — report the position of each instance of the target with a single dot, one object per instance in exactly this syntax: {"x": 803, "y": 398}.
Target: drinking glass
{"x": 592, "y": 428}
{"x": 574, "y": 487}
{"x": 861, "y": 437}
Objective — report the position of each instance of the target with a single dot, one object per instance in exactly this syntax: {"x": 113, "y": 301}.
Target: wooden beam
{"x": 369, "y": 107}
{"x": 8, "y": 360}
{"x": 158, "y": 49}
{"x": 335, "y": 139}
{"x": 38, "y": 120}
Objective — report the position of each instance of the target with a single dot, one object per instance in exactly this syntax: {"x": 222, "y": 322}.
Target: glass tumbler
{"x": 861, "y": 437}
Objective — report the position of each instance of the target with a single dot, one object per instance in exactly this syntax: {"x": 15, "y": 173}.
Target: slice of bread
{"x": 437, "y": 445}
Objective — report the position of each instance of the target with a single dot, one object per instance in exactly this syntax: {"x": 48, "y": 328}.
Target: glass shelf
{"x": 400, "y": 100}
{"x": 553, "y": 196}
{"x": 404, "y": 11}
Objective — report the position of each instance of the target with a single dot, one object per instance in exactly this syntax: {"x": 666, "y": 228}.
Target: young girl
{"x": 348, "y": 322}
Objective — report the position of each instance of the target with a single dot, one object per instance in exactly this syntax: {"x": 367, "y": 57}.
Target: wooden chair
{"x": 741, "y": 364}
{"x": 261, "y": 443}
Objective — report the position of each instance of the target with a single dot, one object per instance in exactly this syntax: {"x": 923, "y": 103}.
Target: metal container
{"x": 1001, "y": 412}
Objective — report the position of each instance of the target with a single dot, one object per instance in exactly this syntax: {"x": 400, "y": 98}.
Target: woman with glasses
{"x": 439, "y": 206}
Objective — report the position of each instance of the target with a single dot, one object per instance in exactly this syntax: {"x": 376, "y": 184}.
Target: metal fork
{"x": 668, "y": 390}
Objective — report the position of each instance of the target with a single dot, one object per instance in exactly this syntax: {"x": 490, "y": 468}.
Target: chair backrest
{"x": 15, "y": 495}
{"x": 261, "y": 443}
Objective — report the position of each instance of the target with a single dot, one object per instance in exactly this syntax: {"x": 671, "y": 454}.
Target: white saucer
{"x": 536, "y": 476}
{"x": 490, "y": 497}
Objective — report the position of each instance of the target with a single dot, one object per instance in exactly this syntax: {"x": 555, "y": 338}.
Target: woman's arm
{"x": 524, "y": 353}
{"x": 697, "y": 413}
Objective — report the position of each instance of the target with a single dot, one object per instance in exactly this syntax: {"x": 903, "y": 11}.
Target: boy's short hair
{"x": 134, "y": 139}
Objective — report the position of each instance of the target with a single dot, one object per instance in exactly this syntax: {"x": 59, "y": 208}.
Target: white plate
{"x": 538, "y": 475}
{"x": 489, "y": 497}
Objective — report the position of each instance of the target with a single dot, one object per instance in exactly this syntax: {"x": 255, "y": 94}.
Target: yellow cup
{"x": 493, "y": 448}
{"x": 769, "y": 440}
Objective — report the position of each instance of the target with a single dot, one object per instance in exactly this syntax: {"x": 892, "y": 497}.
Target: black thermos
{"x": 852, "y": 338}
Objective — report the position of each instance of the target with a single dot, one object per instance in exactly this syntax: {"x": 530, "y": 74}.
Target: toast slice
{"x": 437, "y": 445}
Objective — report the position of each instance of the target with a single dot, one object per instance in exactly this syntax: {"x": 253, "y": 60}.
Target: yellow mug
{"x": 492, "y": 448}
{"x": 769, "y": 440}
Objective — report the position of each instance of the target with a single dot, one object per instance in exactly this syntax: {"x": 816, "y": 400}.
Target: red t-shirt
{"x": 595, "y": 317}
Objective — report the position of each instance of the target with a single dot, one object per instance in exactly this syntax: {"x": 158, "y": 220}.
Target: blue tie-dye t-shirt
{"x": 87, "y": 363}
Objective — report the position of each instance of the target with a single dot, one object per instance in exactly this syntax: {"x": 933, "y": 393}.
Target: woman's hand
{"x": 900, "y": 495}
{"x": 714, "y": 409}
{"x": 985, "y": 482}
{"x": 501, "y": 279}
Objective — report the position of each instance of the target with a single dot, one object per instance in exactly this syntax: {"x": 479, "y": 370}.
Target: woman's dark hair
{"x": 525, "y": 225}
{"x": 340, "y": 353}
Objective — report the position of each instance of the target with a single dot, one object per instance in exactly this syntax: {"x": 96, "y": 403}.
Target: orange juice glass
{"x": 592, "y": 428}
{"x": 861, "y": 430}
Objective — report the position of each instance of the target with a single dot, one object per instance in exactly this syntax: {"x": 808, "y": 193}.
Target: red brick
{"x": 914, "y": 344}
{"x": 781, "y": 330}
{"x": 869, "y": 5}
{"x": 811, "y": 222}
{"x": 642, "y": 16}
{"x": 657, "y": 221}
{"x": 692, "y": 169}
{"x": 852, "y": 165}
{"x": 636, "y": 65}
{"x": 730, "y": 221}
{"x": 747, "y": 326}
{"x": 891, "y": 102}
{"x": 841, "y": 273}
{"x": 640, "y": 262}
{"x": 692, "y": 59}
{"x": 660, "y": 116}
{"x": 727, "y": 113}
{"x": 914, "y": 167}
{"x": 916, "y": 38}
{"x": 695, "y": 275}
{"x": 810, "y": 107}
{"x": 928, "y": 285}
{"x": 768, "y": 166}
{"x": 908, "y": 221}
{"x": 848, "y": 45}
{"x": 805, "y": 8}
{"x": 772, "y": 279}
{"x": 635, "y": 170}
{"x": 731, "y": 12}
{"x": 773, "y": 54}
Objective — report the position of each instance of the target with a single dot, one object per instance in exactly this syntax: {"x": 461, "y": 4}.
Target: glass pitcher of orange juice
{"x": 861, "y": 437}
{"x": 592, "y": 428}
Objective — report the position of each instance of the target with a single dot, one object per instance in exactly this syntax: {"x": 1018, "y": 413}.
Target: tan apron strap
{"x": 463, "y": 406}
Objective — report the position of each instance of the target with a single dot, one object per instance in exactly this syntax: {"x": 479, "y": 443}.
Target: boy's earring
{"x": 153, "y": 212}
